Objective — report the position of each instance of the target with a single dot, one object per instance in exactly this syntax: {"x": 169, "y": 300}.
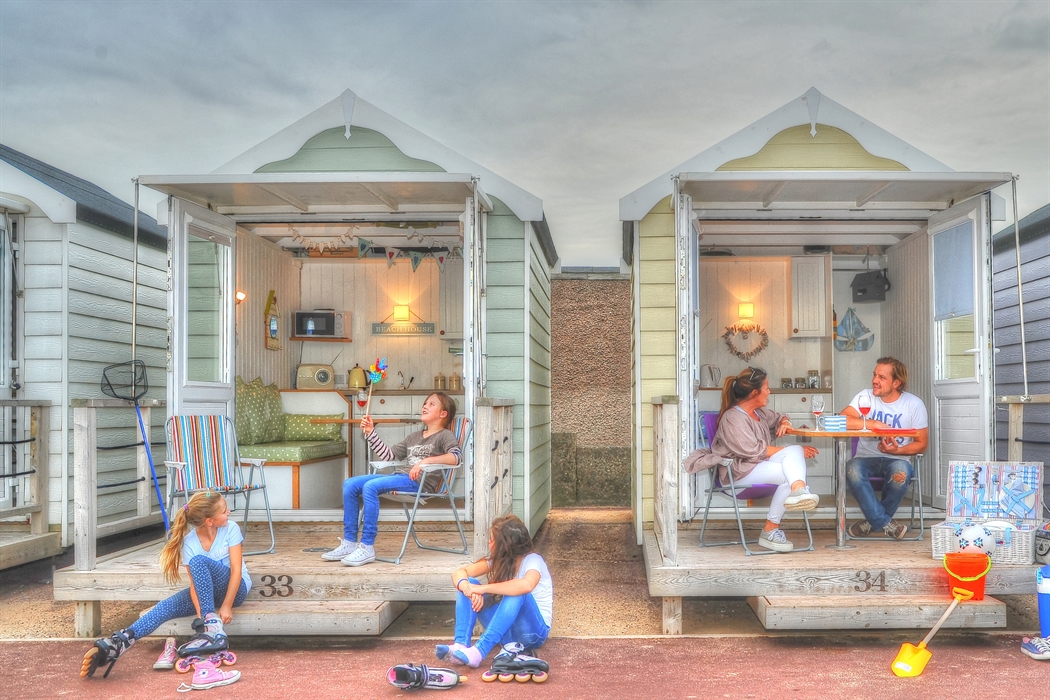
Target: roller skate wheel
{"x": 229, "y": 658}
{"x": 540, "y": 677}
{"x": 523, "y": 677}
{"x": 184, "y": 665}
{"x": 505, "y": 677}
{"x": 488, "y": 676}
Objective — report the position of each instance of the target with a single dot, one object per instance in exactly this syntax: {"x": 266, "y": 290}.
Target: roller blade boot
{"x": 209, "y": 643}
{"x": 106, "y": 651}
{"x": 207, "y": 675}
{"x": 412, "y": 677}
{"x": 512, "y": 664}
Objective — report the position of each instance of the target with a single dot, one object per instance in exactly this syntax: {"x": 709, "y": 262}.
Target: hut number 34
{"x": 868, "y": 582}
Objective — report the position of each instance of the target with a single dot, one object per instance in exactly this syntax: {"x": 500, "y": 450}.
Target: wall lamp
{"x": 241, "y": 296}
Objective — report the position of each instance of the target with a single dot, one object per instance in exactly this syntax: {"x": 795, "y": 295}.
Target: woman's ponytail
{"x": 739, "y": 387}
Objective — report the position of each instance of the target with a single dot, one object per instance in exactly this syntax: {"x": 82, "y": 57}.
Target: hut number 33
{"x": 280, "y": 586}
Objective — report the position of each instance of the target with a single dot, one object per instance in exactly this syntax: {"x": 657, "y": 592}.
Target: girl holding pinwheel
{"x": 435, "y": 444}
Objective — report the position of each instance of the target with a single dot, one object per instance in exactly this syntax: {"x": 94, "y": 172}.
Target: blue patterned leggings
{"x": 210, "y": 578}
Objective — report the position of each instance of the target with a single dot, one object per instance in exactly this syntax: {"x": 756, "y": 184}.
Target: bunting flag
{"x": 363, "y": 246}
{"x": 440, "y": 257}
{"x": 416, "y": 257}
{"x": 391, "y": 255}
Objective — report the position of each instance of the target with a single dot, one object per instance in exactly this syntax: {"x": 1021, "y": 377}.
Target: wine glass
{"x": 817, "y": 406}
{"x": 864, "y": 406}
{"x": 362, "y": 398}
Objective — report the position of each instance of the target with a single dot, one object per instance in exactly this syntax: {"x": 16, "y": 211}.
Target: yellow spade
{"x": 911, "y": 660}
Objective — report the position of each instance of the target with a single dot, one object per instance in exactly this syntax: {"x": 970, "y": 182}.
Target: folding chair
{"x": 202, "y": 455}
{"x": 735, "y": 493}
{"x": 914, "y": 486}
{"x": 419, "y": 497}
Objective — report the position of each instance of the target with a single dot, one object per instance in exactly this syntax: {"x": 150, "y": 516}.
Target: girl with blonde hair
{"x": 205, "y": 542}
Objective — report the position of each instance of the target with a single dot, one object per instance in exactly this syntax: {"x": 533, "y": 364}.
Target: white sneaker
{"x": 345, "y": 547}
{"x": 775, "y": 540}
{"x": 364, "y": 554}
{"x": 801, "y": 499}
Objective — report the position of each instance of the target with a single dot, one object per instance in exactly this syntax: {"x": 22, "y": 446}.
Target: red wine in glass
{"x": 864, "y": 406}
{"x": 362, "y": 399}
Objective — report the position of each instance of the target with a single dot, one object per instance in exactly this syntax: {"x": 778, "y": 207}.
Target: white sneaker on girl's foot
{"x": 345, "y": 547}
{"x": 364, "y": 554}
{"x": 801, "y": 499}
{"x": 775, "y": 540}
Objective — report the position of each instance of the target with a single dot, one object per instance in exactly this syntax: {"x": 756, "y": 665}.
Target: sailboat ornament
{"x": 851, "y": 335}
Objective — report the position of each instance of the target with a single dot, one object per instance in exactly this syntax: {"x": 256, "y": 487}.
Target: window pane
{"x": 956, "y": 337}
{"x": 953, "y": 272}
{"x": 206, "y": 309}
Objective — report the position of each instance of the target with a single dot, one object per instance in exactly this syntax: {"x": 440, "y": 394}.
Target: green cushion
{"x": 297, "y": 426}
{"x": 273, "y": 430}
{"x": 247, "y": 412}
{"x": 294, "y": 451}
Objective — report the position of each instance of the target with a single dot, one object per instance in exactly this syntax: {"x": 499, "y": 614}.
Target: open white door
{"x": 691, "y": 486}
{"x": 960, "y": 268}
{"x": 200, "y": 309}
{"x": 474, "y": 312}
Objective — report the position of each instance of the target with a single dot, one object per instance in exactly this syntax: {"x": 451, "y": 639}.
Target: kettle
{"x": 710, "y": 376}
{"x": 356, "y": 378}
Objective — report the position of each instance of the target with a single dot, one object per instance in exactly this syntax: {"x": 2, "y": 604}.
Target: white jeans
{"x": 785, "y": 467}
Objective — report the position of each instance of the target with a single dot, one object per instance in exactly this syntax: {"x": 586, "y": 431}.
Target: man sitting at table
{"x": 886, "y": 456}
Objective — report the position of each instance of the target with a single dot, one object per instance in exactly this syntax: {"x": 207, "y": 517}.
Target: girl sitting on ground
{"x": 516, "y": 605}
{"x": 208, "y": 543}
{"x": 434, "y": 445}
{"x": 745, "y": 429}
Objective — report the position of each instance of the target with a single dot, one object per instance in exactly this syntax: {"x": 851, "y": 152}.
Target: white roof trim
{"x": 59, "y": 208}
{"x": 811, "y": 108}
{"x": 415, "y": 144}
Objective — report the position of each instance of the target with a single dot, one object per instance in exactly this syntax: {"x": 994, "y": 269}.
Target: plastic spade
{"x": 911, "y": 660}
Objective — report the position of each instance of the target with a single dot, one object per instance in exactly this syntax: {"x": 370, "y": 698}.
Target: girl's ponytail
{"x": 201, "y": 506}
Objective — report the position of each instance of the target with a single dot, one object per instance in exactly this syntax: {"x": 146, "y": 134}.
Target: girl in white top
{"x": 516, "y": 605}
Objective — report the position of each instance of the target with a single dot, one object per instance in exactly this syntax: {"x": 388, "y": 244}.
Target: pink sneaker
{"x": 208, "y": 675}
{"x": 166, "y": 660}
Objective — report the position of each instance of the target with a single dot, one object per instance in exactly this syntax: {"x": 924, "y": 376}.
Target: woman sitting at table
{"x": 435, "y": 444}
{"x": 741, "y": 443}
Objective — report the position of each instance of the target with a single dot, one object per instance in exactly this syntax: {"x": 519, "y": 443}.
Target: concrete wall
{"x": 591, "y": 388}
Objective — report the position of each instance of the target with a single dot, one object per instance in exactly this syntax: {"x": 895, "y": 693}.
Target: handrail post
{"x": 38, "y": 522}
{"x": 666, "y": 467}
{"x": 493, "y": 466}
{"x": 88, "y": 615}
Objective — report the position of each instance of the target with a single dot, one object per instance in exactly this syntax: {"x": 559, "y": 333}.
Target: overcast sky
{"x": 579, "y": 103}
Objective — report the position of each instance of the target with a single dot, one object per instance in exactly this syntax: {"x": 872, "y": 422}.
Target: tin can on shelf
{"x": 786, "y": 383}
{"x": 800, "y": 382}
{"x": 813, "y": 377}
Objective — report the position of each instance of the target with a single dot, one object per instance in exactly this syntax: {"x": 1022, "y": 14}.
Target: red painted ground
{"x": 963, "y": 667}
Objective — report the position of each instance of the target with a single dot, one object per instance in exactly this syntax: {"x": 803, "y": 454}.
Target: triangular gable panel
{"x": 812, "y": 109}
{"x": 349, "y": 111}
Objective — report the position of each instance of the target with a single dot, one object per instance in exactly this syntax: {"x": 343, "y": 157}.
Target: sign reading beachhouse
{"x": 403, "y": 328}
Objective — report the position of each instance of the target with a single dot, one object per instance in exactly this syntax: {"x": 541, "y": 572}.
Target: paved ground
{"x": 979, "y": 667}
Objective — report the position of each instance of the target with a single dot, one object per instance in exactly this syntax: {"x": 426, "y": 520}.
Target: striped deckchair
{"x": 202, "y": 455}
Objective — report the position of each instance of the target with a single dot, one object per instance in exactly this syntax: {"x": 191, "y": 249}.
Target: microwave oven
{"x": 322, "y": 323}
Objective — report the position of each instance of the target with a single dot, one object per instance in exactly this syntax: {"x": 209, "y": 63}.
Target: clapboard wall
{"x": 538, "y": 367}
{"x": 1034, "y": 233}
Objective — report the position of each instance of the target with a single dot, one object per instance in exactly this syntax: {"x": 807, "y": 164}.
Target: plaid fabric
{"x": 200, "y": 443}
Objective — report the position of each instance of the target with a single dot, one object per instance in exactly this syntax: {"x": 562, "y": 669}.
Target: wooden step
{"x": 300, "y": 618}
{"x": 873, "y": 612}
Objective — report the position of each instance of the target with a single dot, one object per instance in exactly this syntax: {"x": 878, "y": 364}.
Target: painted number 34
{"x": 868, "y": 582}
{"x": 280, "y": 586}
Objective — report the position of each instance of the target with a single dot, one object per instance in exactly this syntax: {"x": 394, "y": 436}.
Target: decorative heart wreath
{"x": 745, "y": 329}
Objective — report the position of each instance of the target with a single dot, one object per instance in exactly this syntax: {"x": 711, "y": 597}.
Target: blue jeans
{"x": 367, "y": 488}
{"x": 878, "y": 512}
{"x": 210, "y": 578}
{"x": 514, "y": 619}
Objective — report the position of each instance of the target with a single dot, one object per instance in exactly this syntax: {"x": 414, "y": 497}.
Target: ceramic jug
{"x": 710, "y": 376}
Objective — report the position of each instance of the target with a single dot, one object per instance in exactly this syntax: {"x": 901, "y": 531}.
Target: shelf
{"x": 319, "y": 339}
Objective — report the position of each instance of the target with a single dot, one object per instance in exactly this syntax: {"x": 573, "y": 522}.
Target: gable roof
{"x": 94, "y": 205}
{"x": 347, "y": 111}
{"x": 809, "y": 109}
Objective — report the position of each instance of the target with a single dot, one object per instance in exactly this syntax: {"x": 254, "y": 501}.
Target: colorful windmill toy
{"x": 376, "y": 373}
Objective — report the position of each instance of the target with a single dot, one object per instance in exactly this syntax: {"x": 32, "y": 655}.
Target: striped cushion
{"x": 200, "y": 442}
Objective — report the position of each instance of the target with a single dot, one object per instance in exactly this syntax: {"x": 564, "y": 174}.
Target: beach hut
{"x": 753, "y": 253}
{"x": 66, "y": 288}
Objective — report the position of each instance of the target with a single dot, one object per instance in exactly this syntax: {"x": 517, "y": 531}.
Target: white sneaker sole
{"x": 776, "y": 547}
{"x": 807, "y": 502}
{"x": 1034, "y": 655}
{"x": 335, "y": 556}
{"x": 232, "y": 677}
{"x": 360, "y": 562}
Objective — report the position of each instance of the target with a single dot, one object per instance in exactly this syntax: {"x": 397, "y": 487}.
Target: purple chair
{"x": 915, "y": 488}
{"x": 709, "y": 425}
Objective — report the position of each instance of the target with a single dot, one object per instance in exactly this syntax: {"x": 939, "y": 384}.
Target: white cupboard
{"x": 810, "y": 296}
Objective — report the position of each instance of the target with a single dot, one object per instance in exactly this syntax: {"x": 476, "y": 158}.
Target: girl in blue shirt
{"x": 207, "y": 544}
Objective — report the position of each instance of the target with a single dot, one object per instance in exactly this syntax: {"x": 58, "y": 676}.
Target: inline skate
{"x": 209, "y": 643}
{"x": 106, "y": 651}
{"x": 412, "y": 677}
{"x": 513, "y": 664}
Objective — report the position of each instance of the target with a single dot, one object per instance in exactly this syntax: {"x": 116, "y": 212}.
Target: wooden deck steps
{"x": 21, "y": 547}
{"x": 300, "y": 618}
{"x": 875, "y": 613}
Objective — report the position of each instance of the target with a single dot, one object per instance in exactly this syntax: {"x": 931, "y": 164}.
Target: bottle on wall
{"x": 439, "y": 382}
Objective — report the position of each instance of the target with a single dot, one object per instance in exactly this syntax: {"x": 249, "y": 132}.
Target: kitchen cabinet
{"x": 819, "y": 469}
{"x": 810, "y": 296}
{"x": 451, "y": 292}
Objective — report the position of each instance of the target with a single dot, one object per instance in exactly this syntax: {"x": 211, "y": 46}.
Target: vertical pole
{"x": 142, "y": 488}
{"x": 38, "y": 484}
{"x": 1020, "y": 295}
{"x": 88, "y": 615}
{"x": 840, "y": 496}
{"x": 1016, "y": 432}
{"x": 134, "y": 268}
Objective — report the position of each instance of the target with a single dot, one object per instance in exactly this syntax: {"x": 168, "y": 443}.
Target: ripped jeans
{"x": 877, "y": 511}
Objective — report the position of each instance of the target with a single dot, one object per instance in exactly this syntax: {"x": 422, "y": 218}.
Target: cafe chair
{"x": 914, "y": 489}
{"x": 709, "y": 423}
{"x": 461, "y": 429}
{"x": 202, "y": 456}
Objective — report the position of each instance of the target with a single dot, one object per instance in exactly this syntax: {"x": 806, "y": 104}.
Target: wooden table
{"x": 841, "y": 456}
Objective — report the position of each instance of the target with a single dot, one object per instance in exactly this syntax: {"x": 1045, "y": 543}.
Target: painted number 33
{"x": 280, "y": 586}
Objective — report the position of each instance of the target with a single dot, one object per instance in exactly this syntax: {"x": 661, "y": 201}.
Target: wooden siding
{"x": 77, "y": 320}
{"x": 539, "y": 389}
{"x": 366, "y": 150}
{"x": 656, "y": 317}
{"x": 796, "y": 149}
{"x": 263, "y": 266}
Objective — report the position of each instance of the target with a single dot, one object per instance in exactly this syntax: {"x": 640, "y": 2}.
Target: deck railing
{"x": 493, "y": 467}
{"x": 666, "y": 468}
{"x": 36, "y": 429}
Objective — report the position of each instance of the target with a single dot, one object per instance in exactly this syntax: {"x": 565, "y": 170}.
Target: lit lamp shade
{"x": 401, "y": 313}
{"x": 746, "y": 310}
